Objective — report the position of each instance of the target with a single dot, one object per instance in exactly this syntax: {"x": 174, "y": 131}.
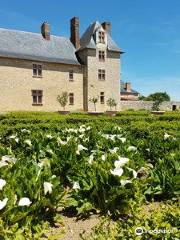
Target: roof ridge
{"x": 22, "y": 31}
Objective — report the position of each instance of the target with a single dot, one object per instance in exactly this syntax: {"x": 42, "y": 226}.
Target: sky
{"x": 147, "y": 31}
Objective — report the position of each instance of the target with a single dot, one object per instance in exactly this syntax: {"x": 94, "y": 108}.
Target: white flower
{"x": 147, "y": 149}
{"x": 7, "y": 159}
{"x": 122, "y": 139}
{"x": 132, "y": 148}
{"x": 50, "y": 151}
{"x": 3, "y": 203}
{"x": 166, "y": 136}
{"x": 25, "y": 130}
{"x": 53, "y": 176}
{"x": 114, "y": 150}
{"x": 117, "y": 171}
{"x": 121, "y": 162}
{"x": 124, "y": 182}
{"x": 80, "y": 148}
{"x": 133, "y": 171}
{"x": 76, "y": 185}
{"x": 24, "y": 202}
{"x": 49, "y": 136}
{"x": 12, "y": 136}
{"x": 28, "y": 142}
{"x": 103, "y": 157}
{"x": 61, "y": 142}
{"x": 88, "y": 128}
{"x": 47, "y": 187}
{"x": 91, "y": 158}
{"x": 2, "y": 164}
{"x": 2, "y": 183}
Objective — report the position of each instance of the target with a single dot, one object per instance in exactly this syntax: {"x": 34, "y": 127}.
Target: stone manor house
{"x": 36, "y": 68}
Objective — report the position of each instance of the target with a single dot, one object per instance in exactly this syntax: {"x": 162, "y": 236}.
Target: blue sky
{"x": 148, "y": 31}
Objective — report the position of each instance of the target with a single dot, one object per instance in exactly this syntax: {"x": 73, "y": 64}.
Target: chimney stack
{"x": 75, "y": 32}
{"x": 45, "y": 31}
{"x": 128, "y": 86}
{"x": 107, "y": 27}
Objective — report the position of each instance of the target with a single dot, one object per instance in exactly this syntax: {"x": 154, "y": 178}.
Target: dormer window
{"x": 101, "y": 36}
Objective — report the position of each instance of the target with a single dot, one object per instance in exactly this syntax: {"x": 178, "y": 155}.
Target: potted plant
{"x": 111, "y": 103}
{"x": 63, "y": 100}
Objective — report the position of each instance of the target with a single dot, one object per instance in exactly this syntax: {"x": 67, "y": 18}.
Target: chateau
{"x": 36, "y": 68}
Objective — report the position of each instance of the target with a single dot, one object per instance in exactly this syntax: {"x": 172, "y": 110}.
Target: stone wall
{"x": 17, "y": 81}
{"x": 136, "y": 105}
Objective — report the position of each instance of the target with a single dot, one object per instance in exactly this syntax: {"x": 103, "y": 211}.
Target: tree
{"x": 162, "y": 96}
{"x": 94, "y": 101}
{"x": 157, "y": 99}
{"x": 63, "y": 99}
{"x": 111, "y": 103}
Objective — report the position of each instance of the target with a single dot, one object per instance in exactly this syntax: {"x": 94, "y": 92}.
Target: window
{"x": 101, "y": 37}
{"x": 71, "y": 98}
{"x": 101, "y": 56}
{"x": 101, "y": 74}
{"x": 37, "y": 97}
{"x": 37, "y": 70}
{"x": 102, "y": 97}
{"x": 71, "y": 75}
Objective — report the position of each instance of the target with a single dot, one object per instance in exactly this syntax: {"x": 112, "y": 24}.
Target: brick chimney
{"x": 75, "y": 32}
{"x": 128, "y": 86}
{"x": 107, "y": 27}
{"x": 45, "y": 31}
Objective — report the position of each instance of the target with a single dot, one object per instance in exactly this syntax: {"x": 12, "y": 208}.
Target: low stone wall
{"x": 136, "y": 105}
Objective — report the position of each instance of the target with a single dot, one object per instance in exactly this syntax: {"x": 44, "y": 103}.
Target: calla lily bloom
{"x": 2, "y": 183}
{"x": 124, "y": 182}
{"x": 3, "y": 203}
{"x": 76, "y": 185}
{"x": 47, "y": 187}
{"x": 117, "y": 172}
{"x": 24, "y": 202}
{"x": 132, "y": 148}
{"x": 80, "y": 148}
{"x": 121, "y": 162}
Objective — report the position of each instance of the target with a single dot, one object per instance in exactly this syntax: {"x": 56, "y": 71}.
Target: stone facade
{"x": 17, "y": 82}
{"x": 136, "y": 105}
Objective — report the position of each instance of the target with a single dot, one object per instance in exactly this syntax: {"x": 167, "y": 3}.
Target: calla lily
{"x": 132, "y": 148}
{"x": 28, "y": 142}
{"x": 8, "y": 159}
{"x": 2, "y": 183}
{"x": 76, "y": 185}
{"x": 166, "y": 136}
{"x": 103, "y": 157}
{"x": 3, "y": 203}
{"x": 47, "y": 187}
{"x": 24, "y": 202}
{"x": 124, "y": 182}
{"x": 123, "y": 140}
{"x": 114, "y": 150}
{"x": 121, "y": 162}
{"x": 117, "y": 172}
{"x": 49, "y": 136}
{"x": 80, "y": 148}
{"x": 133, "y": 171}
{"x": 91, "y": 158}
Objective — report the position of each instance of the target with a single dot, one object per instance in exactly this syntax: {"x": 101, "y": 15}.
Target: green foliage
{"x": 157, "y": 221}
{"x": 161, "y": 96}
{"x": 77, "y": 155}
{"x": 111, "y": 103}
{"x": 63, "y": 99}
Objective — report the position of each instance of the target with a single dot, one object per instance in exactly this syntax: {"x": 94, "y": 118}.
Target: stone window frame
{"x": 101, "y": 55}
{"x": 101, "y": 36}
{"x": 102, "y": 97}
{"x": 37, "y": 70}
{"x": 71, "y": 75}
{"x": 71, "y": 98}
{"x": 102, "y": 74}
{"x": 37, "y": 97}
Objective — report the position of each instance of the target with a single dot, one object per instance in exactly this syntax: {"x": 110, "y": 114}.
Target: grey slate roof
{"x": 32, "y": 46}
{"x": 123, "y": 90}
{"x": 88, "y": 39}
